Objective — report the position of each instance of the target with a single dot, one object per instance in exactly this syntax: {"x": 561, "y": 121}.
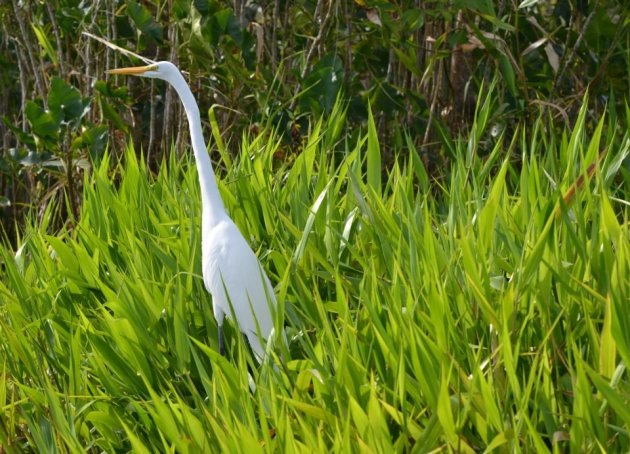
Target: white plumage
{"x": 229, "y": 264}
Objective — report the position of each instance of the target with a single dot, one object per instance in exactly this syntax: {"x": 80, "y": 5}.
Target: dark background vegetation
{"x": 417, "y": 64}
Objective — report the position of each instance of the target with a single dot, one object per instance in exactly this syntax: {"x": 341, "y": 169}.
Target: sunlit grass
{"x": 466, "y": 318}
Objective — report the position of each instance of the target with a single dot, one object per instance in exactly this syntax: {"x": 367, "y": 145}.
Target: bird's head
{"x": 164, "y": 70}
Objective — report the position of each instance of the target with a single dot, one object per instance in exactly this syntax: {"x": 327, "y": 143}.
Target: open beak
{"x": 132, "y": 70}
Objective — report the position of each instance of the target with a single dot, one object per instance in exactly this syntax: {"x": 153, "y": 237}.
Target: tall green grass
{"x": 465, "y": 320}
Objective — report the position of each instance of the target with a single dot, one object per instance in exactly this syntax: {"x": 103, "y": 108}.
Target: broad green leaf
{"x": 65, "y": 101}
{"x": 144, "y": 21}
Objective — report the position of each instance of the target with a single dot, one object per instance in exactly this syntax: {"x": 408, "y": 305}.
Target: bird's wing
{"x": 233, "y": 274}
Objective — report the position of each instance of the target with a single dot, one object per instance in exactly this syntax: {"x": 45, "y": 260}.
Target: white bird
{"x": 231, "y": 271}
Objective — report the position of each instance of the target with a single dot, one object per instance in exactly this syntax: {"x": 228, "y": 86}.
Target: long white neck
{"x": 213, "y": 209}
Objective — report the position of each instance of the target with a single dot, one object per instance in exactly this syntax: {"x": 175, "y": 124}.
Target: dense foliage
{"x": 490, "y": 316}
{"x": 418, "y": 64}
{"x": 438, "y": 191}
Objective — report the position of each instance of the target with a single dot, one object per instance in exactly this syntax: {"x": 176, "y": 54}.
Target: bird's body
{"x": 231, "y": 271}
{"x": 229, "y": 264}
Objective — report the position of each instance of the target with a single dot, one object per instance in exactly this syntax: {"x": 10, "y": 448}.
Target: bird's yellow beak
{"x": 132, "y": 70}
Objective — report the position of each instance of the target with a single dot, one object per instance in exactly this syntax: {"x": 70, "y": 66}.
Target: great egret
{"x": 231, "y": 271}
